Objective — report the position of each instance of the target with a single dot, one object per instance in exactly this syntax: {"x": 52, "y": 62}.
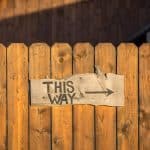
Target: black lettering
{"x": 64, "y": 87}
{"x": 48, "y": 85}
{"x": 70, "y": 88}
{"x": 71, "y": 97}
{"x": 58, "y": 86}
{"x": 55, "y": 99}
{"x": 64, "y": 99}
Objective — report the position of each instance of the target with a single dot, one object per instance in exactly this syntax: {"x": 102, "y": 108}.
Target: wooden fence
{"x": 77, "y": 127}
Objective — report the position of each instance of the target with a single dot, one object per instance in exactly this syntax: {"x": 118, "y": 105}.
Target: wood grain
{"x": 57, "y": 20}
{"x": 105, "y": 117}
{"x": 32, "y": 24}
{"x": 83, "y": 115}
{"x": 45, "y": 19}
{"x": 127, "y": 116}
{"x": 61, "y": 64}
{"x": 70, "y": 20}
{"x": 40, "y": 131}
{"x": 3, "y": 102}
{"x": 17, "y": 94}
{"x": 20, "y": 9}
{"x": 40, "y": 116}
{"x": 144, "y": 96}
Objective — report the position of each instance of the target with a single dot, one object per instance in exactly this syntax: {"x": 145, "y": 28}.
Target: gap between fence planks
{"x": 105, "y": 117}
{"x": 40, "y": 116}
{"x": 144, "y": 96}
{"x": 61, "y": 63}
{"x": 83, "y": 115}
{"x": 17, "y": 94}
{"x": 3, "y": 136}
{"x": 127, "y": 116}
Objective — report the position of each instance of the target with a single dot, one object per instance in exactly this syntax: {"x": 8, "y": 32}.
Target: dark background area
{"x": 86, "y": 20}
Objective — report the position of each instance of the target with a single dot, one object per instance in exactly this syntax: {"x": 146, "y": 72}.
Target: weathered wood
{"x": 105, "y": 117}
{"x": 83, "y": 115}
{"x": 127, "y": 116}
{"x": 17, "y": 95}
{"x": 40, "y": 117}
{"x": 61, "y": 64}
{"x": 144, "y": 96}
{"x": 3, "y": 135}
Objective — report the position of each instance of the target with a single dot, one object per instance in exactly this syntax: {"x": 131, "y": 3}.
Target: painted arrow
{"x": 107, "y": 92}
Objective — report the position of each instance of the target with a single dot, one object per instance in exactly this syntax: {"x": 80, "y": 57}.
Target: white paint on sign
{"x": 89, "y": 88}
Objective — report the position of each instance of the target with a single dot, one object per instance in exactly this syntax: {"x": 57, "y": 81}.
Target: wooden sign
{"x": 89, "y": 88}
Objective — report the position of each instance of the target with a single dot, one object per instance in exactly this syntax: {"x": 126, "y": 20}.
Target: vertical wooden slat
{"x": 17, "y": 92}
{"x": 61, "y": 115}
{"x": 2, "y": 97}
{"x": 83, "y": 115}
{"x": 144, "y": 93}
{"x": 45, "y": 23}
{"x": 40, "y": 116}
{"x": 9, "y": 12}
{"x": 57, "y": 20}
{"x": 105, "y": 117}
{"x": 20, "y": 9}
{"x": 70, "y": 20}
{"x": 3, "y": 8}
{"x": 127, "y": 116}
{"x": 32, "y": 22}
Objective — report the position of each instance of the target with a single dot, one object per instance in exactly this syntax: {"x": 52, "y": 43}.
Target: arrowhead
{"x": 109, "y": 92}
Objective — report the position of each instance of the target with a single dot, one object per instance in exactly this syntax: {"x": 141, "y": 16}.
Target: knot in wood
{"x": 62, "y": 56}
{"x": 126, "y": 127}
{"x": 40, "y": 111}
{"x": 57, "y": 140}
{"x": 144, "y": 116}
{"x": 82, "y": 54}
{"x": 61, "y": 59}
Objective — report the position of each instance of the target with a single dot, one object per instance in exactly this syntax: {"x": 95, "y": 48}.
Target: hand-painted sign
{"x": 89, "y": 88}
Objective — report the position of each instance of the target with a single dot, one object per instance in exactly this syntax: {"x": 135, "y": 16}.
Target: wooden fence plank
{"x": 127, "y": 116}
{"x": 40, "y": 116}
{"x": 105, "y": 117}
{"x": 40, "y": 122}
{"x": 83, "y": 115}
{"x": 17, "y": 92}
{"x": 61, "y": 115}
{"x": 2, "y": 97}
{"x": 144, "y": 93}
